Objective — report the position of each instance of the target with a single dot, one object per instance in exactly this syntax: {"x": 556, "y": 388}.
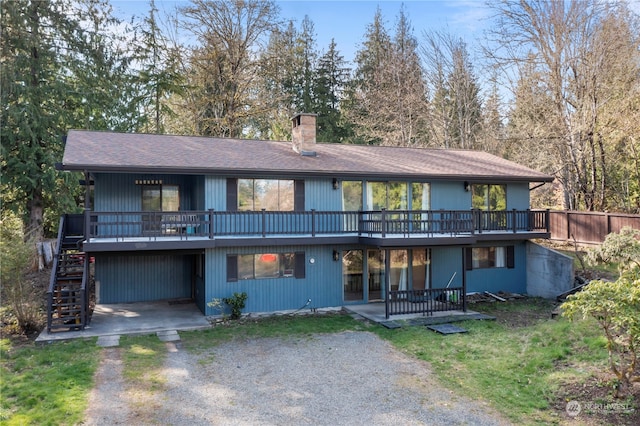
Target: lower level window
{"x": 264, "y": 265}
{"x": 490, "y": 257}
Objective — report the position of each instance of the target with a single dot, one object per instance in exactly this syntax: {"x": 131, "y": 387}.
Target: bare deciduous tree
{"x": 225, "y": 64}
{"x": 574, "y": 55}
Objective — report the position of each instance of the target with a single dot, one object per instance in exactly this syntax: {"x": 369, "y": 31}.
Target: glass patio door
{"x": 158, "y": 198}
{"x": 352, "y": 264}
{"x": 375, "y": 274}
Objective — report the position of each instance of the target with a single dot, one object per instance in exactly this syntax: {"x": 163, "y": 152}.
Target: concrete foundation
{"x": 549, "y": 273}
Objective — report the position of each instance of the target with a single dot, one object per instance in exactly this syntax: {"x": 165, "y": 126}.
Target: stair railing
{"x": 54, "y": 271}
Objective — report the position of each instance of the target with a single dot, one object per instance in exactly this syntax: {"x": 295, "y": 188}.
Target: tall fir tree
{"x": 62, "y": 68}
{"x": 159, "y": 76}
{"x": 332, "y": 76}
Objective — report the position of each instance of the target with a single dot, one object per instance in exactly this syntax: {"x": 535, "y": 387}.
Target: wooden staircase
{"x": 68, "y": 295}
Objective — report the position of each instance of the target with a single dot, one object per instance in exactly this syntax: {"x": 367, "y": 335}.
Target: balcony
{"x": 113, "y": 231}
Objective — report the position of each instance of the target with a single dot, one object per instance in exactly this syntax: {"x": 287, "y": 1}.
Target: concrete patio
{"x": 376, "y": 312}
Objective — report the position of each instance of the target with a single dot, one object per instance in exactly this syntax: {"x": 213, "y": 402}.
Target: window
{"x": 420, "y": 196}
{"x": 158, "y": 198}
{"x": 490, "y": 257}
{"x": 268, "y": 194}
{"x": 489, "y": 197}
{"x": 264, "y": 265}
{"x": 421, "y": 269}
{"x": 351, "y": 196}
{"x": 387, "y": 195}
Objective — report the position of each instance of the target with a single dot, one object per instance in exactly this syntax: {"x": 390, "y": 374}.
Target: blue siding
{"x": 501, "y": 279}
{"x": 450, "y": 196}
{"x": 118, "y": 192}
{"x": 322, "y": 284}
{"x": 136, "y": 278}
{"x": 215, "y": 193}
{"x": 320, "y": 195}
{"x": 518, "y": 196}
{"x": 445, "y": 261}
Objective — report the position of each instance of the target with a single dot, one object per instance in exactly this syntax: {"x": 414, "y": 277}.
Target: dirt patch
{"x": 590, "y": 401}
{"x": 517, "y": 311}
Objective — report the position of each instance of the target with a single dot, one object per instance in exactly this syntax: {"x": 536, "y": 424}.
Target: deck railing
{"x": 426, "y": 301}
{"x": 212, "y": 224}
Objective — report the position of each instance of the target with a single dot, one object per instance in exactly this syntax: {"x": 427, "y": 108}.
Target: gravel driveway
{"x": 349, "y": 378}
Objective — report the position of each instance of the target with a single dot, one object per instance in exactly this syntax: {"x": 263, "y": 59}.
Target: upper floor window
{"x": 159, "y": 198}
{"x": 420, "y": 196}
{"x": 351, "y": 195}
{"x": 489, "y": 197}
{"x": 386, "y": 195}
{"x": 268, "y": 194}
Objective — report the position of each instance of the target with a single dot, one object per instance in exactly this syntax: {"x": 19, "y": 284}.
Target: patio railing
{"x": 425, "y": 301}
{"x": 212, "y": 224}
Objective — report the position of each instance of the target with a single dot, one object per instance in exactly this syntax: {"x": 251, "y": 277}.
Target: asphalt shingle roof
{"x": 118, "y": 152}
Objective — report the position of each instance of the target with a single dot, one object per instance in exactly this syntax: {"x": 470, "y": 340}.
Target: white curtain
{"x": 501, "y": 258}
{"x": 402, "y": 281}
{"x": 369, "y": 205}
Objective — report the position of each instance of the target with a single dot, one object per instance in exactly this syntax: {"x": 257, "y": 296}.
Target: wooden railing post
{"x": 87, "y": 224}
{"x": 211, "y": 224}
{"x": 383, "y": 223}
{"x": 313, "y": 222}
{"x": 515, "y": 221}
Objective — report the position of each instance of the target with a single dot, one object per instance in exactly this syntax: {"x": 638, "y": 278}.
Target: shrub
{"x": 616, "y": 307}
{"x": 236, "y": 303}
{"x": 622, "y": 248}
{"x": 17, "y": 258}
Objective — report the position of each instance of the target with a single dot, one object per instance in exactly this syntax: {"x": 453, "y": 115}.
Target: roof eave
{"x": 341, "y": 174}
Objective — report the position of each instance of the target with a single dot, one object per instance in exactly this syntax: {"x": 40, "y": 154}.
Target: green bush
{"x": 17, "y": 260}
{"x": 615, "y": 305}
{"x": 622, "y": 248}
{"x": 236, "y": 303}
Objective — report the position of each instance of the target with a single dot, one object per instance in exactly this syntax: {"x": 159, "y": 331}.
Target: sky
{"x": 346, "y": 21}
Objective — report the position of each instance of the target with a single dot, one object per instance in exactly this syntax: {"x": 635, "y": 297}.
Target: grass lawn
{"x": 517, "y": 368}
{"x": 46, "y": 385}
{"x": 520, "y": 363}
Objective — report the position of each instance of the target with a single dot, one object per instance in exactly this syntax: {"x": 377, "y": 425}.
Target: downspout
{"x": 87, "y": 205}
{"x": 464, "y": 279}
{"x": 387, "y": 281}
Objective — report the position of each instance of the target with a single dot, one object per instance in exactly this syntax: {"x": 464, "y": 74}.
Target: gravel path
{"x": 350, "y": 378}
{"x": 108, "y": 402}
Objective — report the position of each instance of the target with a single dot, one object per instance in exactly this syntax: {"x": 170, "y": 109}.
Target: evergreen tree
{"x": 455, "y": 107}
{"x": 61, "y": 69}
{"x": 386, "y": 102}
{"x": 331, "y": 78}
{"x": 306, "y": 62}
{"x": 159, "y": 76}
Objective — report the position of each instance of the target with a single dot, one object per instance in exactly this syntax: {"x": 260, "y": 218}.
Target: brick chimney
{"x": 303, "y": 134}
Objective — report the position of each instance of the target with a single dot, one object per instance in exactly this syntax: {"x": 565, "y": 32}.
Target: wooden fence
{"x": 588, "y": 227}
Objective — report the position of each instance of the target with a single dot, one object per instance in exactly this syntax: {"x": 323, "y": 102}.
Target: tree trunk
{"x": 35, "y": 210}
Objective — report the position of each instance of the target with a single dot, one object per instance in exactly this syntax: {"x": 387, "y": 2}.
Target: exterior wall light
{"x": 467, "y": 186}
{"x": 335, "y": 183}
{"x": 336, "y": 255}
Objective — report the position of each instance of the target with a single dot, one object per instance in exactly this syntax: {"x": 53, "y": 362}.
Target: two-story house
{"x": 295, "y": 223}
